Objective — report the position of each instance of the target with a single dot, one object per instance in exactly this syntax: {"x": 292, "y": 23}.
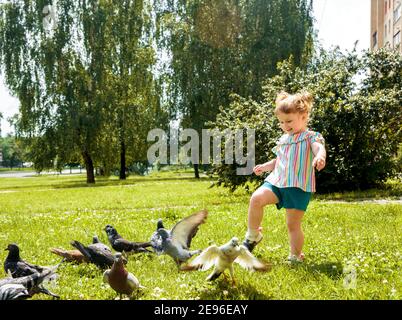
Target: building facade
{"x": 386, "y": 24}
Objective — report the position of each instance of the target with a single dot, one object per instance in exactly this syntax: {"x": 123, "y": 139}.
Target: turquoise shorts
{"x": 290, "y": 197}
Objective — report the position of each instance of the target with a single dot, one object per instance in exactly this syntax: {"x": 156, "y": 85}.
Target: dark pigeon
{"x": 97, "y": 253}
{"x": 120, "y": 244}
{"x": 176, "y": 242}
{"x": 17, "y": 267}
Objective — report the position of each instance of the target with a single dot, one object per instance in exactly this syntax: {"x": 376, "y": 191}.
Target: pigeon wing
{"x": 121, "y": 244}
{"x": 106, "y": 276}
{"x": 132, "y": 281}
{"x": 206, "y": 259}
{"x": 185, "y": 230}
{"x": 31, "y": 266}
{"x": 248, "y": 261}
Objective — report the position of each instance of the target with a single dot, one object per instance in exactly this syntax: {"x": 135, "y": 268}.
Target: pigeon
{"x": 13, "y": 291}
{"x": 121, "y": 281}
{"x": 17, "y": 267}
{"x": 70, "y": 255}
{"x": 223, "y": 257}
{"x": 119, "y": 244}
{"x": 25, "y": 287}
{"x": 176, "y": 242}
{"x": 97, "y": 253}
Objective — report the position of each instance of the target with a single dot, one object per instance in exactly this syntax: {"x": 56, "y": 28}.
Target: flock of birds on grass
{"x": 25, "y": 279}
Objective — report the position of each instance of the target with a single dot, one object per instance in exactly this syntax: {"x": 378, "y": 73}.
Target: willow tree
{"x": 228, "y": 46}
{"x": 73, "y": 65}
{"x": 133, "y": 95}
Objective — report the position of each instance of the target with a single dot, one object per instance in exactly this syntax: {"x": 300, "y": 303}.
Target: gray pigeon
{"x": 25, "y": 287}
{"x": 176, "y": 242}
{"x": 13, "y": 291}
{"x": 222, "y": 258}
{"x": 97, "y": 253}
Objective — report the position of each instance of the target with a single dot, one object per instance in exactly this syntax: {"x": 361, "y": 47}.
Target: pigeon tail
{"x": 187, "y": 267}
{"x": 79, "y": 246}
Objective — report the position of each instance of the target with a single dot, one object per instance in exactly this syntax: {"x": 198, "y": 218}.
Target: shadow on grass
{"x": 222, "y": 286}
{"x": 107, "y": 183}
{"x": 333, "y": 270}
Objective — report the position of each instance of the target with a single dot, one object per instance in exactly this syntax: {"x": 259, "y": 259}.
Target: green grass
{"x": 49, "y": 211}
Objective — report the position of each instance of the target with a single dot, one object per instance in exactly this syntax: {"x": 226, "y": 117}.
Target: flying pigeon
{"x": 25, "y": 287}
{"x": 97, "y": 253}
{"x": 17, "y": 267}
{"x": 70, "y": 255}
{"x": 119, "y": 244}
{"x": 222, "y": 258}
{"x": 176, "y": 242}
{"x": 121, "y": 281}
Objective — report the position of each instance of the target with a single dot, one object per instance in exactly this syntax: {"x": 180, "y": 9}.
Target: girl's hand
{"x": 259, "y": 169}
{"x": 319, "y": 163}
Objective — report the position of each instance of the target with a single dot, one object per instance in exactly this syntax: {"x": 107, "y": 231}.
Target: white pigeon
{"x": 223, "y": 257}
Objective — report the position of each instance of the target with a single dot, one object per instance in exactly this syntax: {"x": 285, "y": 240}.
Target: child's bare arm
{"x": 319, "y": 155}
{"x": 267, "y": 166}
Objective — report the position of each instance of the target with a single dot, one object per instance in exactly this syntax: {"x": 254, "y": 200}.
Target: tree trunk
{"x": 122, "y": 160}
{"x": 89, "y": 166}
{"x": 196, "y": 171}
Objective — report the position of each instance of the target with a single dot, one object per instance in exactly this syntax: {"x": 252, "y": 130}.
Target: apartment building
{"x": 386, "y": 24}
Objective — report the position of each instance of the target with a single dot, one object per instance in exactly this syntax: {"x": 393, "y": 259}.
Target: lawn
{"x": 353, "y": 249}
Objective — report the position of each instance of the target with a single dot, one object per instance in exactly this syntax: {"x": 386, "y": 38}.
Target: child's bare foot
{"x": 296, "y": 259}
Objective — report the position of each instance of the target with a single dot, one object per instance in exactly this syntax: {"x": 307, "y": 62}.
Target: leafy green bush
{"x": 357, "y": 109}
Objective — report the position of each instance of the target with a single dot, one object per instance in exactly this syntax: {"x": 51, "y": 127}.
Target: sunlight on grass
{"x": 43, "y": 212}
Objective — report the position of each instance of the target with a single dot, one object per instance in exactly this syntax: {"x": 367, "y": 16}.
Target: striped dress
{"x": 293, "y": 167}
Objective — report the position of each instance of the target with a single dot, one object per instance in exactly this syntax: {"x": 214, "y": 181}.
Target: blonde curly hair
{"x": 294, "y": 103}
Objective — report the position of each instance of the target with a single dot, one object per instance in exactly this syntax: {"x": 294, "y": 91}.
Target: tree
{"x": 229, "y": 46}
{"x": 134, "y": 98}
{"x": 81, "y": 77}
{"x": 13, "y": 152}
{"x": 357, "y": 109}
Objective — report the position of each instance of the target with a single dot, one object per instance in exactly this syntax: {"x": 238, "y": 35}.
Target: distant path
{"x": 365, "y": 200}
{"x": 25, "y": 174}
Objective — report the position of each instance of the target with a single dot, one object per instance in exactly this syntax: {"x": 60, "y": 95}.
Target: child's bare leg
{"x": 296, "y": 236}
{"x": 260, "y": 198}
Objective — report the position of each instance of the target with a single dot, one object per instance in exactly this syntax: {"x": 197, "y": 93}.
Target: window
{"x": 397, "y": 12}
{"x": 375, "y": 39}
{"x": 385, "y": 7}
{"x": 385, "y": 30}
{"x": 397, "y": 39}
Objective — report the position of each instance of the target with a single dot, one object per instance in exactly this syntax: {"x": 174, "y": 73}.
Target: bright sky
{"x": 339, "y": 23}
